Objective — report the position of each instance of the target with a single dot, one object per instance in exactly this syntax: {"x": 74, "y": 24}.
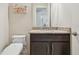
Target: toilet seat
{"x": 13, "y": 49}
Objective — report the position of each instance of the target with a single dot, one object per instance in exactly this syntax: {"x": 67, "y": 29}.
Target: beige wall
{"x": 4, "y": 26}
{"x": 20, "y": 23}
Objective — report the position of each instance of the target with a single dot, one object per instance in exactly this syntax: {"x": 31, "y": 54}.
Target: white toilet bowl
{"x": 13, "y": 49}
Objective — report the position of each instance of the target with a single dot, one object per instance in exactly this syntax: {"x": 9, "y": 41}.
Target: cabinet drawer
{"x": 50, "y": 37}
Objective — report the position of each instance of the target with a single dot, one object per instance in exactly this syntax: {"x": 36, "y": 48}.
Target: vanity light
{"x": 19, "y": 9}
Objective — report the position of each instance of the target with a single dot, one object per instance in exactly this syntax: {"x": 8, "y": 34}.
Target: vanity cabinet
{"x": 49, "y": 44}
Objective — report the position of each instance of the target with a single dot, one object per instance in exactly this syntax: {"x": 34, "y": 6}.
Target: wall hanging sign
{"x": 20, "y": 9}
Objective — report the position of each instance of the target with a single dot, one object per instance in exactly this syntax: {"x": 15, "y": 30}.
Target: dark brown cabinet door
{"x": 60, "y": 48}
{"x": 50, "y": 44}
{"x": 39, "y": 48}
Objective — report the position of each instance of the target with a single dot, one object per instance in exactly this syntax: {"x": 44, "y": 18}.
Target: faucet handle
{"x": 44, "y": 25}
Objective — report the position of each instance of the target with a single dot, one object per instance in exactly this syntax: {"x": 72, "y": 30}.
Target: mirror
{"x": 41, "y": 15}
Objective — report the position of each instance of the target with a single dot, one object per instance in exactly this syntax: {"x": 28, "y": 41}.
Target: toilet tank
{"x": 19, "y": 39}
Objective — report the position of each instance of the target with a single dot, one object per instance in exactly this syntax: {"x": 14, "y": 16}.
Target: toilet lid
{"x": 18, "y": 36}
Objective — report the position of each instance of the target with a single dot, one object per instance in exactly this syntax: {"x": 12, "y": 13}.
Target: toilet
{"x": 19, "y": 39}
{"x": 16, "y": 46}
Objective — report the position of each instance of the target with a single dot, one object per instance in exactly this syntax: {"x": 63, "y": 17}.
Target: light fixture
{"x": 19, "y": 9}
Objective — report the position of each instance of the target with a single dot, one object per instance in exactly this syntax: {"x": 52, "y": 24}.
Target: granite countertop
{"x": 59, "y": 30}
{"x": 48, "y": 31}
